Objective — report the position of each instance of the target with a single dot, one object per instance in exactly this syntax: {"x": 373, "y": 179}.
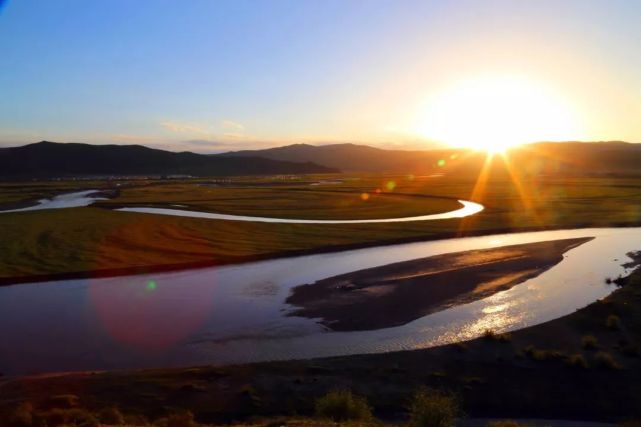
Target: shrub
{"x": 506, "y": 423}
{"x": 343, "y": 405}
{"x": 613, "y": 322}
{"x": 64, "y": 401}
{"x": 589, "y": 342}
{"x": 490, "y": 335}
{"x": 22, "y": 416}
{"x": 461, "y": 347}
{"x": 541, "y": 355}
{"x": 111, "y": 416}
{"x": 181, "y": 419}
{"x": 577, "y": 361}
{"x": 74, "y": 417}
{"x": 430, "y": 408}
{"x": 606, "y": 361}
{"x": 136, "y": 420}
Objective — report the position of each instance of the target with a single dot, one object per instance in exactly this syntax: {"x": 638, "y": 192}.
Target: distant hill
{"x": 539, "y": 158}
{"x": 354, "y": 157}
{"x": 49, "y": 159}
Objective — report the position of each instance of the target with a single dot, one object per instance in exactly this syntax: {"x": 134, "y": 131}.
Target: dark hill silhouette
{"x": 355, "y": 157}
{"x": 544, "y": 157}
{"x": 49, "y": 159}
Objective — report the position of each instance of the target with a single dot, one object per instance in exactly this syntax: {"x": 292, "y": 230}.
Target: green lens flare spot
{"x": 391, "y": 185}
{"x": 151, "y": 285}
{"x": 441, "y": 163}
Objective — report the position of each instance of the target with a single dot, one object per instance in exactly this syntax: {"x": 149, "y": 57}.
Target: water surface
{"x": 469, "y": 208}
{"x": 67, "y": 200}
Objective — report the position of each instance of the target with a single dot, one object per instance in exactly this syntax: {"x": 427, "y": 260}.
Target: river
{"x": 237, "y": 313}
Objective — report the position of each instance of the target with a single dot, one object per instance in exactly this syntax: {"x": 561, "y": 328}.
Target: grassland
{"x": 97, "y": 240}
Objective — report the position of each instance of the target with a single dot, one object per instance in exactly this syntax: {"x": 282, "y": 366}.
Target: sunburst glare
{"x": 495, "y": 113}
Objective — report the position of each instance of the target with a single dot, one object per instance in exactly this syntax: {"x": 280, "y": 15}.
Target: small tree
{"x": 431, "y": 408}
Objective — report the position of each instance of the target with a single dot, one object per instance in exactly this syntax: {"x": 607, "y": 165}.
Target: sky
{"x": 216, "y": 75}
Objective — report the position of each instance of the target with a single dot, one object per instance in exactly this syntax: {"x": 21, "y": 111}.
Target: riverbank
{"x": 395, "y": 294}
{"x": 583, "y": 366}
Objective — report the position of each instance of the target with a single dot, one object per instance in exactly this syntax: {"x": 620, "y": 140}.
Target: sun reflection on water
{"x": 499, "y": 314}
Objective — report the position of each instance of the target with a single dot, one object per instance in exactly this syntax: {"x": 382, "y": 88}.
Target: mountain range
{"x": 49, "y": 159}
{"x": 542, "y": 157}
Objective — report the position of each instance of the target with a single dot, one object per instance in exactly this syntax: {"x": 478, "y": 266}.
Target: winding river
{"x": 469, "y": 208}
{"x": 237, "y": 313}
{"x": 67, "y": 200}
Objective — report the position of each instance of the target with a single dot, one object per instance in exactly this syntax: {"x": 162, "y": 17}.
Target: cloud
{"x": 219, "y": 146}
{"x": 226, "y": 129}
{"x": 232, "y": 126}
{"x": 205, "y": 142}
{"x": 142, "y": 139}
{"x": 182, "y": 127}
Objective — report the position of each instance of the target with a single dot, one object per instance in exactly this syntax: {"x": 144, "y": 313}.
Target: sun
{"x": 496, "y": 113}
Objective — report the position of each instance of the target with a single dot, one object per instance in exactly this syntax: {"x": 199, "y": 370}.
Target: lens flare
{"x": 494, "y": 113}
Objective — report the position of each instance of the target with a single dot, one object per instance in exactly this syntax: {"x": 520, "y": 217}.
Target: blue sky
{"x": 210, "y": 75}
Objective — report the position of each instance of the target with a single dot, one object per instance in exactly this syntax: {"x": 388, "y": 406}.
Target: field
{"x": 99, "y": 241}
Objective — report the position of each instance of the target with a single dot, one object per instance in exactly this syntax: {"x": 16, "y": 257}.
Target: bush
{"x": 64, "y": 401}
{"x": 343, "y": 405}
{"x": 182, "y": 419}
{"x": 577, "y": 361}
{"x": 490, "y": 335}
{"x": 430, "y": 408}
{"x": 541, "y": 355}
{"x": 74, "y": 417}
{"x": 111, "y": 416}
{"x": 136, "y": 420}
{"x": 506, "y": 423}
{"x": 22, "y": 416}
{"x": 589, "y": 342}
{"x": 606, "y": 361}
{"x": 461, "y": 347}
{"x": 613, "y": 322}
